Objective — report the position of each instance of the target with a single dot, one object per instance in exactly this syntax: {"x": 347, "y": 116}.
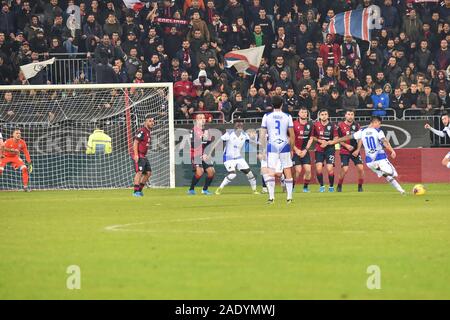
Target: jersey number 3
{"x": 278, "y": 126}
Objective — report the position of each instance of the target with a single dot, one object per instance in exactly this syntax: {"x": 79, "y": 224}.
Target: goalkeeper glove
{"x": 30, "y": 167}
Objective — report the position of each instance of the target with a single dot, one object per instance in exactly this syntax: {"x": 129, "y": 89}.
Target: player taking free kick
{"x": 11, "y": 155}
{"x": 375, "y": 142}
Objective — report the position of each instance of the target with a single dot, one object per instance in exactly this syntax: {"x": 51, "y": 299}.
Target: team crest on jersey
{"x": 328, "y": 127}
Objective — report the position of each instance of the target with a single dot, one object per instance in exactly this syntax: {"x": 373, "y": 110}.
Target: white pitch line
{"x": 126, "y": 227}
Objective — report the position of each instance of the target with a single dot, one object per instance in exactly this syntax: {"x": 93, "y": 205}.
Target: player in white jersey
{"x": 232, "y": 156}
{"x": 375, "y": 143}
{"x": 277, "y": 140}
{"x": 446, "y": 121}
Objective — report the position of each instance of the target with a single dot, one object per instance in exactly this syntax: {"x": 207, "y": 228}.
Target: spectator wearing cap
{"x": 130, "y": 43}
{"x": 428, "y": 101}
{"x": 380, "y": 102}
{"x": 130, "y": 26}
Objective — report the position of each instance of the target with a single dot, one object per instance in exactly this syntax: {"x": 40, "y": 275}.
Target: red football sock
{"x": 25, "y": 177}
{"x": 360, "y": 182}
{"x": 341, "y": 181}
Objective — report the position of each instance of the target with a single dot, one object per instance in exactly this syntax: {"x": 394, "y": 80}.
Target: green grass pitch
{"x": 168, "y": 245}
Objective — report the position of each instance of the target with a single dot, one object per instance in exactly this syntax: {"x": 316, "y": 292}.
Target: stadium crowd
{"x": 406, "y": 65}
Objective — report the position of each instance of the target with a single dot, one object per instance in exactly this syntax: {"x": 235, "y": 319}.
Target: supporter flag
{"x": 136, "y": 5}
{"x": 354, "y": 23}
{"x": 246, "y": 60}
{"x": 32, "y": 69}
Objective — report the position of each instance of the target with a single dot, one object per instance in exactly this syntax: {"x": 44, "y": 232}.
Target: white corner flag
{"x": 247, "y": 60}
{"x": 32, "y": 69}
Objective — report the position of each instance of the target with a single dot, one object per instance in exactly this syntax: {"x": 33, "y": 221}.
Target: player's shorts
{"x": 327, "y": 156}
{"x": 15, "y": 162}
{"x": 143, "y": 165}
{"x": 275, "y": 159}
{"x": 204, "y": 165}
{"x": 345, "y": 160}
{"x": 301, "y": 161}
{"x": 447, "y": 156}
{"x": 278, "y": 168}
{"x": 381, "y": 167}
{"x": 236, "y": 164}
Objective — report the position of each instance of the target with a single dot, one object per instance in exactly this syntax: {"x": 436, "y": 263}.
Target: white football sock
{"x": 252, "y": 180}
{"x": 395, "y": 184}
{"x": 227, "y": 179}
{"x": 270, "y": 182}
{"x": 289, "y": 187}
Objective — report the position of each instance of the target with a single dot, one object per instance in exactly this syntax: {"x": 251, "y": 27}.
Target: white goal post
{"x": 56, "y": 122}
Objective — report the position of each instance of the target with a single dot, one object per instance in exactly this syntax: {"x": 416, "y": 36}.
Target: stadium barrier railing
{"x": 71, "y": 68}
{"x": 217, "y": 120}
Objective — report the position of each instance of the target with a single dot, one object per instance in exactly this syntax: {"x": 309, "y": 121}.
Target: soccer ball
{"x": 419, "y": 190}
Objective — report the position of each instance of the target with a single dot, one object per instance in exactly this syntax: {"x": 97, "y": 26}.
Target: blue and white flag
{"x": 354, "y": 23}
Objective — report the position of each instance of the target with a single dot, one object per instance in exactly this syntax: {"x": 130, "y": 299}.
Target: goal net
{"x": 56, "y": 122}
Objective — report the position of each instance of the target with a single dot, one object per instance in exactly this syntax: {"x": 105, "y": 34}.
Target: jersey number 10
{"x": 370, "y": 141}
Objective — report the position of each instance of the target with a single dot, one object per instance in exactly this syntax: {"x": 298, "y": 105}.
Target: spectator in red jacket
{"x": 184, "y": 87}
{"x": 330, "y": 51}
